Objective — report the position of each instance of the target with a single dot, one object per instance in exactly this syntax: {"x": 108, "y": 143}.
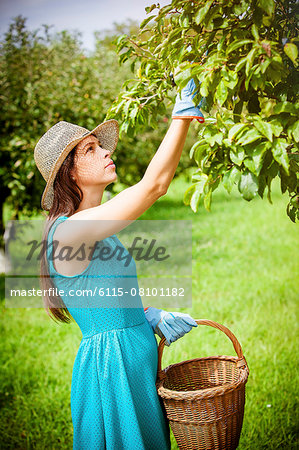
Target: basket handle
{"x": 241, "y": 358}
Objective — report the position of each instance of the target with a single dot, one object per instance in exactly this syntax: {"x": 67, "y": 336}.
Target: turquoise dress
{"x": 114, "y": 402}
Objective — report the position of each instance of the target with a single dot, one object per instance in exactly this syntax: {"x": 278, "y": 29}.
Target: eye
{"x": 89, "y": 148}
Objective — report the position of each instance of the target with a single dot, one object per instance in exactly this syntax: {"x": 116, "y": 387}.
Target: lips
{"x": 111, "y": 163}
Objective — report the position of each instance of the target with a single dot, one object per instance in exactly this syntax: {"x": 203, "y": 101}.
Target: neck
{"x": 90, "y": 199}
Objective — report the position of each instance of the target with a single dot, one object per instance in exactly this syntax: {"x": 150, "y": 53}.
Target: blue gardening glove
{"x": 171, "y": 325}
{"x": 184, "y": 106}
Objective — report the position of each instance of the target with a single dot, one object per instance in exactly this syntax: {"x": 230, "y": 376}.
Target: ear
{"x": 72, "y": 176}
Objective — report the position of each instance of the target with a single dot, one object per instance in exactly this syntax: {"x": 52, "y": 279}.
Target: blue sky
{"x": 86, "y": 16}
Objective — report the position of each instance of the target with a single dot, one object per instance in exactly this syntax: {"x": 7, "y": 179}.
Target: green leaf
{"x": 291, "y": 51}
{"x": 295, "y": 201}
{"x": 211, "y": 135}
{"x": 173, "y": 34}
{"x": 248, "y": 185}
{"x": 201, "y": 179}
{"x": 264, "y": 128}
{"x": 221, "y": 92}
{"x": 177, "y": 44}
{"x": 288, "y": 181}
{"x": 291, "y": 211}
{"x": 145, "y": 21}
{"x": 199, "y": 16}
{"x": 294, "y": 130}
{"x": 237, "y": 44}
{"x": 257, "y": 82}
{"x": 238, "y": 156}
{"x": 268, "y": 6}
{"x": 184, "y": 21}
{"x": 241, "y": 63}
{"x": 166, "y": 9}
{"x": 274, "y": 75}
{"x": 250, "y": 59}
{"x": 195, "y": 199}
{"x": 249, "y": 163}
{"x": 294, "y": 166}
{"x": 218, "y": 137}
{"x": 279, "y": 151}
{"x": 207, "y": 200}
{"x": 198, "y": 149}
{"x": 230, "y": 177}
{"x": 248, "y": 137}
{"x": 236, "y": 129}
{"x": 148, "y": 69}
{"x": 132, "y": 66}
{"x": 221, "y": 43}
{"x": 259, "y": 154}
{"x": 231, "y": 79}
{"x": 255, "y": 33}
{"x": 134, "y": 112}
{"x": 193, "y": 148}
{"x": 188, "y": 194}
{"x": 220, "y": 122}
{"x": 149, "y": 9}
{"x": 276, "y": 127}
{"x": 264, "y": 65}
{"x": 262, "y": 185}
{"x": 124, "y": 126}
{"x": 285, "y": 107}
{"x": 283, "y": 181}
{"x": 204, "y": 88}
{"x": 120, "y": 39}
{"x": 127, "y": 107}
{"x": 182, "y": 78}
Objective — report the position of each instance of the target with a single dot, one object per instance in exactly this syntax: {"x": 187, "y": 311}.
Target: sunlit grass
{"x": 245, "y": 276}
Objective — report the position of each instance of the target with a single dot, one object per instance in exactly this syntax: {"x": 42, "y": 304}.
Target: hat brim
{"x": 108, "y": 135}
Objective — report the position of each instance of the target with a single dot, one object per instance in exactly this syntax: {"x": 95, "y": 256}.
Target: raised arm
{"x": 128, "y": 205}
{"x": 132, "y": 202}
{"x": 162, "y": 167}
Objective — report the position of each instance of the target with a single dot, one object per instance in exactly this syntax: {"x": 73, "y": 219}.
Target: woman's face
{"x": 91, "y": 164}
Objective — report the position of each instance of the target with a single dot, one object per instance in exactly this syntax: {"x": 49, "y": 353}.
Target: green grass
{"x": 245, "y": 276}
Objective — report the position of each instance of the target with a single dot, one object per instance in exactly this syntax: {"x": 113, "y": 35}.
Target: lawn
{"x": 245, "y": 272}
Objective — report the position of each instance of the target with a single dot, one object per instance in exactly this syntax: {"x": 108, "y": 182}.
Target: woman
{"x": 114, "y": 402}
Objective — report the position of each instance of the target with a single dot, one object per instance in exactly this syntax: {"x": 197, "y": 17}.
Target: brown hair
{"x": 67, "y": 198}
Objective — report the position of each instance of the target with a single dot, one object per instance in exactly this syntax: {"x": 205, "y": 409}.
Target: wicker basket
{"x": 204, "y": 398}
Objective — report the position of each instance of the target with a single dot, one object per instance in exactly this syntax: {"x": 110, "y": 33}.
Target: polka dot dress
{"x": 114, "y": 402}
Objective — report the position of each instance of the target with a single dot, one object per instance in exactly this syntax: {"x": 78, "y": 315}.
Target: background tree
{"x": 243, "y": 55}
{"x": 33, "y": 95}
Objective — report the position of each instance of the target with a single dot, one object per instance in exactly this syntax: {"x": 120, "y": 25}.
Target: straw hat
{"x": 54, "y": 146}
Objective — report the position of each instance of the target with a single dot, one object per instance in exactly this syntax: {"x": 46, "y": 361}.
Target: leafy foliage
{"x": 243, "y": 56}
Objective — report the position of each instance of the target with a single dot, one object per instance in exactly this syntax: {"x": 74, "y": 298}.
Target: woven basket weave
{"x": 204, "y": 398}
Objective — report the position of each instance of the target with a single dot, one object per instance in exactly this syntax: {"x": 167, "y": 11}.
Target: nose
{"x": 107, "y": 153}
